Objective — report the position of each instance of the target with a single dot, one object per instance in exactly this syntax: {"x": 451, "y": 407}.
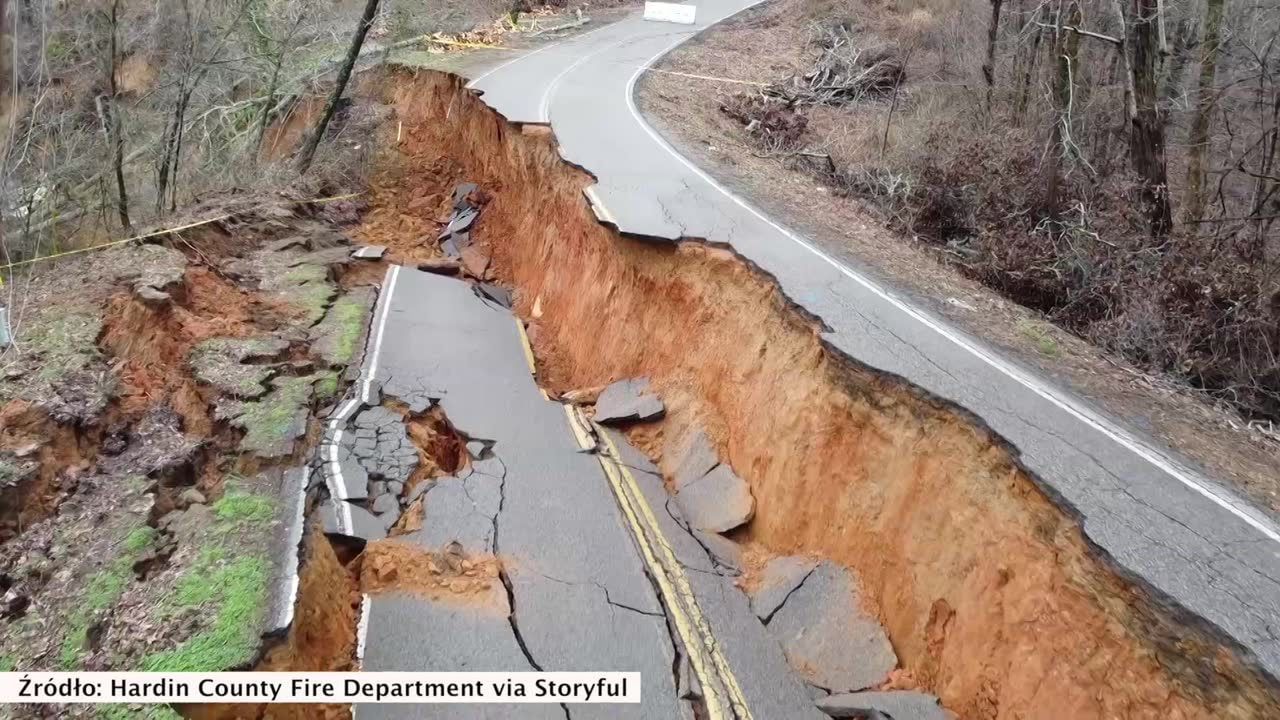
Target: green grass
{"x": 101, "y": 592}
{"x": 236, "y": 506}
{"x": 144, "y": 712}
{"x": 7, "y": 664}
{"x": 239, "y": 589}
{"x": 65, "y": 343}
{"x": 267, "y": 422}
{"x": 139, "y": 539}
{"x": 1044, "y": 343}
{"x": 327, "y": 385}
{"x": 349, "y": 314}
{"x": 233, "y": 586}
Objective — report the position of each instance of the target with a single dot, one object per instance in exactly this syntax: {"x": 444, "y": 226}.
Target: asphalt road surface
{"x": 1195, "y": 543}
{"x": 598, "y": 572}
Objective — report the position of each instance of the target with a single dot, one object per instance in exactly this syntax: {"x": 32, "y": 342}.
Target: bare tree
{"x": 110, "y": 112}
{"x": 1198, "y": 137}
{"x": 1146, "y": 132}
{"x": 276, "y": 45}
{"x": 993, "y": 33}
{"x": 1066, "y": 50}
{"x": 339, "y": 86}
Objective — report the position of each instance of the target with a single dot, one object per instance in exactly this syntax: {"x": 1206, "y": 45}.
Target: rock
{"x": 460, "y": 195}
{"x": 828, "y": 637}
{"x": 440, "y": 266}
{"x": 896, "y": 704}
{"x": 151, "y": 296}
{"x": 389, "y": 518}
{"x": 191, "y": 496}
{"x": 450, "y": 248}
{"x": 487, "y": 291}
{"x": 778, "y": 579}
{"x": 292, "y": 241}
{"x": 475, "y": 261}
{"x": 628, "y": 401}
{"x": 717, "y": 502}
{"x": 385, "y": 503}
{"x": 723, "y": 551}
{"x": 815, "y": 692}
{"x": 369, "y": 252}
{"x": 693, "y": 458}
{"x": 395, "y": 488}
{"x": 476, "y": 448}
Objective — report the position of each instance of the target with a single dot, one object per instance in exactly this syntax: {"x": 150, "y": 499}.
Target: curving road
{"x": 1187, "y": 537}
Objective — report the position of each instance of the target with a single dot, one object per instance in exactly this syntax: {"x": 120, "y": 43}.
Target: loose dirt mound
{"x": 990, "y": 594}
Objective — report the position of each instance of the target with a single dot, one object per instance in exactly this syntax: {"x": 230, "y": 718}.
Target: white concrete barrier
{"x": 670, "y": 12}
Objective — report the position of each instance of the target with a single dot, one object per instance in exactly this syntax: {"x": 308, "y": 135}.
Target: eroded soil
{"x": 989, "y": 593}
{"x": 155, "y": 398}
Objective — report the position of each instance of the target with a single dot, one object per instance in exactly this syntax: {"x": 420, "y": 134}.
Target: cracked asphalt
{"x": 598, "y": 569}
{"x": 1148, "y": 511}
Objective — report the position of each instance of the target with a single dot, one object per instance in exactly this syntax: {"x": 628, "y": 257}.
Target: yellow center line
{"x": 710, "y": 666}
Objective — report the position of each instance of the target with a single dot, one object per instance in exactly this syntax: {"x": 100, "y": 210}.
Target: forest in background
{"x": 1110, "y": 163}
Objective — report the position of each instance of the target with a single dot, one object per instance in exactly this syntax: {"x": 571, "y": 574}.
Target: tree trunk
{"x": 1030, "y": 68}
{"x": 1206, "y": 96}
{"x": 1146, "y": 132}
{"x": 339, "y": 86}
{"x": 1066, "y": 50}
{"x": 115, "y": 135}
{"x": 989, "y": 67}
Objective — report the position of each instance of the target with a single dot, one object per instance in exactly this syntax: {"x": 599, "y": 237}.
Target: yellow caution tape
{"x": 154, "y": 233}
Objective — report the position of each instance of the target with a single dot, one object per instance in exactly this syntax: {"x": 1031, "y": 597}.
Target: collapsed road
{"x": 554, "y": 544}
{"x": 542, "y": 527}
{"x": 1198, "y": 546}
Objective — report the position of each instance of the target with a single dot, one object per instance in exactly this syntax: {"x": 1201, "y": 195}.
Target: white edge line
{"x": 362, "y": 629}
{"x": 602, "y": 212}
{"x": 338, "y": 488}
{"x": 392, "y": 273}
{"x": 362, "y": 635}
{"x": 1069, "y": 405}
{"x": 294, "y": 543}
{"x": 487, "y": 73}
{"x": 544, "y": 108}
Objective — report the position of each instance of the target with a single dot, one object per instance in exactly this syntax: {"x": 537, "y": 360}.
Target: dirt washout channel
{"x": 989, "y": 592}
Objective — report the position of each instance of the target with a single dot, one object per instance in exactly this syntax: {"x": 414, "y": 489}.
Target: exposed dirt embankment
{"x": 989, "y": 592}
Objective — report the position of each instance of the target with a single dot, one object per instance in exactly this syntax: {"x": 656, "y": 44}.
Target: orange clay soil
{"x": 153, "y": 343}
{"x": 397, "y": 566}
{"x": 322, "y": 638}
{"x": 56, "y": 448}
{"x": 988, "y": 591}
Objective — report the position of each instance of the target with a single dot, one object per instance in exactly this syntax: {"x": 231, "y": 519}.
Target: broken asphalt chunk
{"x": 450, "y": 516}
{"x": 898, "y": 705}
{"x": 460, "y": 222}
{"x": 693, "y": 458}
{"x": 725, "y": 552}
{"x": 717, "y": 502}
{"x": 827, "y": 635}
{"x": 778, "y": 579}
{"x": 343, "y": 518}
{"x": 493, "y": 293}
{"x": 369, "y": 252}
{"x": 628, "y": 400}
